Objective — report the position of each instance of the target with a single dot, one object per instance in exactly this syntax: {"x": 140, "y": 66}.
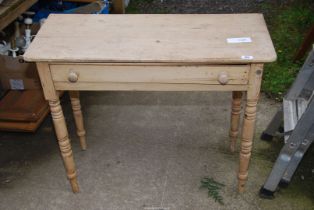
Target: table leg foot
{"x": 74, "y": 185}
{"x": 235, "y": 119}
{"x": 64, "y": 142}
{"x": 241, "y": 185}
{"x": 78, "y": 117}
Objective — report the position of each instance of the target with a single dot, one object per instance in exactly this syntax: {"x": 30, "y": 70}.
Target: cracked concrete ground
{"x": 146, "y": 150}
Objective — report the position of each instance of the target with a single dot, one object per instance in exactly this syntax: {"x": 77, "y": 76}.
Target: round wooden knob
{"x": 223, "y": 78}
{"x": 73, "y": 77}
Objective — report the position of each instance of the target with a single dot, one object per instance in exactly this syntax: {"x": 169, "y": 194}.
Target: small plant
{"x": 213, "y": 188}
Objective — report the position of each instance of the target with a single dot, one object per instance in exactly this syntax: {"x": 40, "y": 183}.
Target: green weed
{"x": 213, "y": 188}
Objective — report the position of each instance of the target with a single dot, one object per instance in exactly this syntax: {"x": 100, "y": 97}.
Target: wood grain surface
{"x": 173, "y": 38}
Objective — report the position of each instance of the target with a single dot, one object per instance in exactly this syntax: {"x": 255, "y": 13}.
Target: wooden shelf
{"x": 23, "y": 110}
{"x": 11, "y": 9}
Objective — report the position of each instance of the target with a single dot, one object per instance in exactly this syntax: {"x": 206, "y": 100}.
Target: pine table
{"x": 190, "y": 52}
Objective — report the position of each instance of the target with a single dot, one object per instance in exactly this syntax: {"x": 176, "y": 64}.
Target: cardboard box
{"x": 15, "y": 74}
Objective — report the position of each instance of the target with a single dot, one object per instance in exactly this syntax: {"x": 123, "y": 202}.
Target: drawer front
{"x": 82, "y": 75}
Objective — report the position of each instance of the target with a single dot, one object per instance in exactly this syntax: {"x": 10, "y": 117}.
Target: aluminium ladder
{"x": 297, "y": 115}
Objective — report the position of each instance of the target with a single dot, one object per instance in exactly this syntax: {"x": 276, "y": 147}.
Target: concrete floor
{"x": 146, "y": 150}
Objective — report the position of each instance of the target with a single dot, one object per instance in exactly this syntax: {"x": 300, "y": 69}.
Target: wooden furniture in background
{"x": 82, "y": 1}
{"x": 153, "y": 53}
{"x": 22, "y": 110}
{"x": 11, "y": 9}
{"x": 118, "y": 6}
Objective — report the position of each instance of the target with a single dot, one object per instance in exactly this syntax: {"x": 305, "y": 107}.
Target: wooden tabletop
{"x": 173, "y": 38}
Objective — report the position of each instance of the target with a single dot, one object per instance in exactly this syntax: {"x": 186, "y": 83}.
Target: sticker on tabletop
{"x": 239, "y": 40}
{"x": 247, "y": 57}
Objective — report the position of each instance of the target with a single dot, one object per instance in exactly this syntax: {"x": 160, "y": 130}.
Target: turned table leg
{"x": 64, "y": 142}
{"x": 255, "y": 77}
{"x": 235, "y": 118}
{"x": 78, "y": 117}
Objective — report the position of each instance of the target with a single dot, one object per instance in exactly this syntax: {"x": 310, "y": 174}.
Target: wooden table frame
{"x": 221, "y": 52}
{"x": 51, "y": 88}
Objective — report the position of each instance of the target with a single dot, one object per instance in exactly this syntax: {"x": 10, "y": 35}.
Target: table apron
{"x": 143, "y": 77}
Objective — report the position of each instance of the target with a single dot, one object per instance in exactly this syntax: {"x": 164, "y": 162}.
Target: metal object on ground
{"x": 297, "y": 116}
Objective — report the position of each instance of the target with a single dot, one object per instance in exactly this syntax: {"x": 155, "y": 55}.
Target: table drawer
{"x": 67, "y": 75}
